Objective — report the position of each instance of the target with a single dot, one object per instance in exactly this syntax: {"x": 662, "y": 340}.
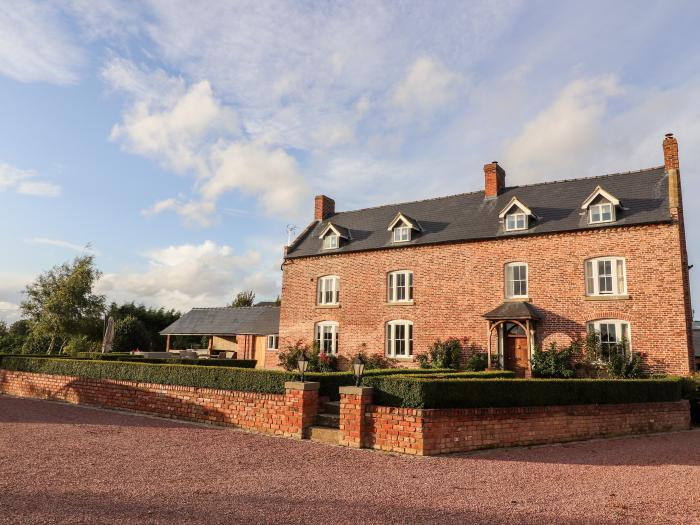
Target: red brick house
{"x": 508, "y": 268}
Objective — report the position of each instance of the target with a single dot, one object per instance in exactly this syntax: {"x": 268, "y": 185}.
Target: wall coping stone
{"x": 298, "y": 385}
{"x": 356, "y": 390}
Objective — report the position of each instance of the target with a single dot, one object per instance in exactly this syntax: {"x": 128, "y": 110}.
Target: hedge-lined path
{"x": 71, "y": 464}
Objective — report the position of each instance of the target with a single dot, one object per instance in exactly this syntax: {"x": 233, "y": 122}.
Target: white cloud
{"x": 427, "y": 88}
{"x": 24, "y": 182}
{"x": 35, "y": 44}
{"x": 189, "y": 130}
{"x": 566, "y": 137}
{"x": 81, "y": 248}
{"x": 189, "y": 275}
{"x": 9, "y": 312}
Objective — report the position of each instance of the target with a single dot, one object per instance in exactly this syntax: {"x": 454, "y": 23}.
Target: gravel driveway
{"x": 70, "y": 464}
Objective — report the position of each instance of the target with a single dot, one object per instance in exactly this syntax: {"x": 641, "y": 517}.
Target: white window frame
{"x": 324, "y": 329}
{"x": 516, "y": 217}
{"x": 273, "y": 342}
{"x": 622, "y": 328}
{"x": 394, "y": 290}
{"x": 510, "y": 291}
{"x": 399, "y": 339}
{"x": 331, "y": 241}
{"x": 401, "y": 233}
{"x": 599, "y": 209}
{"x": 328, "y": 290}
{"x": 596, "y": 281}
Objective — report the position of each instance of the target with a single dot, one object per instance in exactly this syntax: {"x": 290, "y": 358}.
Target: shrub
{"x": 80, "y": 344}
{"x": 225, "y": 378}
{"x": 554, "y": 363}
{"x": 476, "y": 361}
{"x": 442, "y": 354}
{"x": 289, "y": 356}
{"x": 130, "y": 334}
{"x": 318, "y": 361}
{"x": 691, "y": 392}
{"x": 474, "y": 393}
{"x": 374, "y": 361}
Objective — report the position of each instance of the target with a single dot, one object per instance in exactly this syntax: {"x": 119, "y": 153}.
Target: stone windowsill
{"x": 327, "y": 306}
{"x": 400, "y": 303}
{"x": 517, "y": 300}
{"x": 606, "y": 298}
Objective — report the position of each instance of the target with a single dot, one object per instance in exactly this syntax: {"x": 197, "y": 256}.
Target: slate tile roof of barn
{"x": 256, "y": 320}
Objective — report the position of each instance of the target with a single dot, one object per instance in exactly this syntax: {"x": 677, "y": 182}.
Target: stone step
{"x": 328, "y": 420}
{"x": 324, "y": 435}
{"x": 331, "y": 407}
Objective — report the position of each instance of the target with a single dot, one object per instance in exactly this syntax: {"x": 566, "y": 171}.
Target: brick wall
{"x": 281, "y": 414}
{"x": 454, "y": 284}
{"x": 432, "y": 432}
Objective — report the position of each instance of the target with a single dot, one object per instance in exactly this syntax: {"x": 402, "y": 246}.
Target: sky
{"x": 177, "y": 141}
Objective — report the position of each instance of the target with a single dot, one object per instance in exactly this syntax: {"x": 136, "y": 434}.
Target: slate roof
{"x": 466, "y": 217}
{"x": 513, "y": 310}
{"x": 256, "y": 320}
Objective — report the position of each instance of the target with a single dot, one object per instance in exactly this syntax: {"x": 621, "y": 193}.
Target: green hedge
{"x": 226, "y": 378}
{"x": 332, "y": 381}
{"x": 475, "y": 393}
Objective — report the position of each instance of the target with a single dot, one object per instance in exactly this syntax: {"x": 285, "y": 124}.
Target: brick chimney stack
{"x": 672, "y": 166}
{"x": 324, "y": 207}
{"x": 494, "y": 178}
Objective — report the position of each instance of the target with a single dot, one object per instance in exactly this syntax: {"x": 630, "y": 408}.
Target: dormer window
{"x": 402, "y": 228}
{"x": 402, "y": 233}
{"x": 515, "y": 216}
{"x": 601, "y": 212}
{"x": 601, "y": 207}
{"x": 332, "y": 235}
{"x": 516, "y": 221}
{"x": 330, "y": 241}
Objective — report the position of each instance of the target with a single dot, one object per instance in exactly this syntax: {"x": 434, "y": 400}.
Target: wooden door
{"x": 516, "y": 355}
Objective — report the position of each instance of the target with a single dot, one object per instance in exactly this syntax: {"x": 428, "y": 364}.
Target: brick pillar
{"x": 353, "y": 404}
{"x": 301, "y": 401}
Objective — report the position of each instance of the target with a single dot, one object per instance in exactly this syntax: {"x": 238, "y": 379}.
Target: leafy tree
{"x": 60, "y": 303}
{"x": 244, "y": 298}
{"x": 130, "y": 334}
{"x": 20, "y": 328}
{"x": 3, "y": 329}
{"x": 153, "y": 320}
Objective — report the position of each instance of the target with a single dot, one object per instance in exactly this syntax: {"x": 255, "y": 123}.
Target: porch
{"x": 512, "y": 325}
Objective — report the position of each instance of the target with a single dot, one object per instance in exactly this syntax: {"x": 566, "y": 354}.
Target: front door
{"x": 515, "y": 354}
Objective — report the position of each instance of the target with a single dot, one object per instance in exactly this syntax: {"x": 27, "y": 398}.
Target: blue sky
{"x": 180, "y": 139}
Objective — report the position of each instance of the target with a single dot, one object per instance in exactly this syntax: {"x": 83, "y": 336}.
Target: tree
{"x": 60, "y": 302}
{"x": 153, "y": 319}
{"x": 130, "y": 334}
{"x": 244, "y": 298}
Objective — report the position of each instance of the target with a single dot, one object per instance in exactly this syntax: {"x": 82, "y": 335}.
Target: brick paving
{"x": 70, "y": 464}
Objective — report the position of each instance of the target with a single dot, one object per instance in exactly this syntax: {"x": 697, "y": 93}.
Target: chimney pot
{"x": 324, "y": 207}
{"x": 494, "y": 179}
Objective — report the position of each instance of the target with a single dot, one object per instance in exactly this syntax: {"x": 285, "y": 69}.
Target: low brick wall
{"x": 431, "y": 432}
{"x": 282, "y": 414}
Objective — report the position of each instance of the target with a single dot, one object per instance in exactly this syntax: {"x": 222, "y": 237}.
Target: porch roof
{"x": 517, "y": 310}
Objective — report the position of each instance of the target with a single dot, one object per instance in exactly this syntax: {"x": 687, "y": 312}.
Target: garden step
{"x": 331, "y": 407}
{"x": 328, "y": 420}
{"x": 325, "y": 435}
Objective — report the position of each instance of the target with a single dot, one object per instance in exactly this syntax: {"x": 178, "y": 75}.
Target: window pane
{"x": 620, "y": 263}
{"x": 401, "y": 287}
{"x": 595, "y": 214}
{"x": 410, "y": 286}
{"x": 390, "y": 287}
{"x": 606, "y": 212}
{"x": 410, "y": 339}
{"x": 590, "y": 286}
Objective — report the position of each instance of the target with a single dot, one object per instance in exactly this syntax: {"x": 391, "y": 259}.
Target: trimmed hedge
{"x": 225, "y": 378}
{"x": 332, "y": 381}
{"x": 478, "y": 393}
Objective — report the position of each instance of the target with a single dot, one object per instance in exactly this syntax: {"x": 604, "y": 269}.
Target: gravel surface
{"x": 70, "y": 464}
